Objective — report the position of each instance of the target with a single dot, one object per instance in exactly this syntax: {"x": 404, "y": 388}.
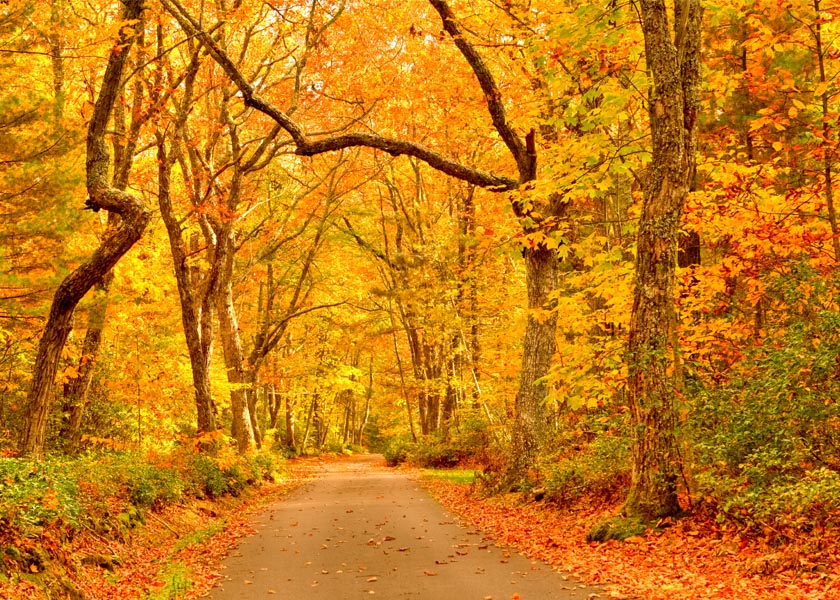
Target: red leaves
{"x": 693, "y": 559}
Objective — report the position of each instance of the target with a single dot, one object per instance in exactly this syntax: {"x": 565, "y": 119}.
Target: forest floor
{"x": 181, "y": 551}
{"x": 695, "y": 558}
{"x": 173, "y": 553}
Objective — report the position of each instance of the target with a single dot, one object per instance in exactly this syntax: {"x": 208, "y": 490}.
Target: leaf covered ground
{"x": 173, "y": 553}
{"x": 694, "y": 558}
{"x": 176, "y": 553}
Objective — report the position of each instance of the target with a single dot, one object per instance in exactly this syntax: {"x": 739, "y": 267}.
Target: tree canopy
{"x": 535, "y": 234}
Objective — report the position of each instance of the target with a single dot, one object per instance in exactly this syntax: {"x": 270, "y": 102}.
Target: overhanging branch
{"x": 306, "y": 147}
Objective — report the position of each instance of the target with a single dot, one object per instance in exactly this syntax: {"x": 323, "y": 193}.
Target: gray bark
{"x": 652, "y": 354}
{"x": 101, "y": 195}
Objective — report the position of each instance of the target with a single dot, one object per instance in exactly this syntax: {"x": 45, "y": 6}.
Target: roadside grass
{"x": 177, "y": 578}
{"x": 124, "y": 525}
{"x": 460, "y": 476}
{"x": 200, "y": 536}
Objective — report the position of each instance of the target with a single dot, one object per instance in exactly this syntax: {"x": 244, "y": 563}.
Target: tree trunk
{"x": 241, "y": 428}
{"x": 196, "y": 322}
{"x": 359, "y": 433}
{"x": 251, "y": 398}
{"x": 541, "y": 273}
{"x": 75, "y": 391}
{"x": 124, "y": 145}
{"x": 652, "y": 353}
{"x": 402, "y": 381}
{"x": 290, "y": 424}
{"x": 101, "y": 195}
{"x": 309, "y": 417}
{"x": 828, "y": 160}
{"x": 273, "y": 408}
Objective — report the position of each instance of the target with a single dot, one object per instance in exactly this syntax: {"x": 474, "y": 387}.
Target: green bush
{"x": 435, "y": 454}
{"x": 600, "y": 467}
{"x": 34, "y": 494}
{"x": 216, "y": 476}
{"x": 151, "y": 485}
{"x": 110, "y": 491}
{"x": 209, "y": 477}
{"x": 396, "y": 451}
{"x": 468, "y": 442}
{"x": 767, "y": 441}
{"x": 263, "y": 467}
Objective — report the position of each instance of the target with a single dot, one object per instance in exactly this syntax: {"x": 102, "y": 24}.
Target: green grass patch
{"x": 463, "y": 476}
{"x": 200, "y": 536}
{"x": 177, "y": 581}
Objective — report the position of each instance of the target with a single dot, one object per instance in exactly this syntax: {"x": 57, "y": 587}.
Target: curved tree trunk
{"x": 75, "y": 391}
{"x": 101, "y": 195}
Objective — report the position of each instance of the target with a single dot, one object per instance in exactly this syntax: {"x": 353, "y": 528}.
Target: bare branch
{"x": 305, "y": 147}
{"x": 525, "y": 160}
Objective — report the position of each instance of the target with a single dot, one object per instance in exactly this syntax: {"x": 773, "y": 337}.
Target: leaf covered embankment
{"x": 695, "y": 557}
{"x": 127, "y": 526}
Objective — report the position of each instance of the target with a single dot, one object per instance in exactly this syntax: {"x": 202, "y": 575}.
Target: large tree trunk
{"x": 124, "y": 146}
{"x": 101, "y": 195}
{"x": 652, "y": 355}
{"x": 76, "y": 389}
{"x": 541, "y": 272}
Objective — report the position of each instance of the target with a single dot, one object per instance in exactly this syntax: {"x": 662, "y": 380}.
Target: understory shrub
{"x": 33, "y": 494}
{"x": 600, "y": 467}
{"x": 396, "y": 451}
{"x": 468, "y": 440}
{"x": 767, "y": 441}
{"x": 215, "y": 476}
{"x": 110, "y": 491}
{"x": 435, "y": 453}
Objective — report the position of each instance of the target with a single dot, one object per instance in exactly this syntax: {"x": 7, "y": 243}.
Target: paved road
{"x": 358, "y": 530}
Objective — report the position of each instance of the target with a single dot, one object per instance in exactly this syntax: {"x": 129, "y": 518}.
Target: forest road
{"x": 359, "y": 530}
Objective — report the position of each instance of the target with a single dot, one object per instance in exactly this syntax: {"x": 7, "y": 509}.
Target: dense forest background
{"x": 422, "y": 227}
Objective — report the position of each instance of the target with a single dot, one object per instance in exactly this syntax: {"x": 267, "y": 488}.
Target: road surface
{"x": 358, "y": 530}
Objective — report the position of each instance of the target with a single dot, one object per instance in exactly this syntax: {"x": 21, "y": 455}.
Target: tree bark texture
{"x": 76, "y": 390}
{"x": 652, "y": 355}
{"x": 236, "y": 373}
{"x": 290, "y": 423}
{"x": 101, "y": 195}
{"x": 541, "y": 275}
